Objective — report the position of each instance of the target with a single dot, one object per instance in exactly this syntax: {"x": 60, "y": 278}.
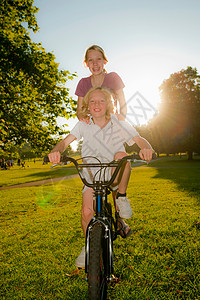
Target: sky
{"x": 145, "y": 41}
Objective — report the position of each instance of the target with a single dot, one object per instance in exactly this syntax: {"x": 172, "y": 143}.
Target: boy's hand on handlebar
{"x": 146, "y": 154}
{"x": 54, "y": 157}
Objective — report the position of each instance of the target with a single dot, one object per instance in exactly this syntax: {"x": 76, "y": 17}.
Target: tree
{"x": 177, "y": 125}
{"x": 33, "y": 92}
{"x": 79, "y": 146}
{"x": 10, "y": 152}
{"x": 26, "y": 151}
{"x": 67, "y": 151}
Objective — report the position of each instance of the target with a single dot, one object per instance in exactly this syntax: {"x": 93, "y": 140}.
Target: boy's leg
{"x": 122, "y": 181}
{"x": 124, "y": 174}
{"x": 122, "y": 201}
{"x": 87, "y": 211}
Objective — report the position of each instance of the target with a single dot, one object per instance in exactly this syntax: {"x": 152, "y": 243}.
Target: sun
{"x": 142, "y": 74}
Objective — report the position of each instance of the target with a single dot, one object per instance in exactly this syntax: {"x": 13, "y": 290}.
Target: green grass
{"x": 41, "y": 237}
{"x": 32, "y": 172}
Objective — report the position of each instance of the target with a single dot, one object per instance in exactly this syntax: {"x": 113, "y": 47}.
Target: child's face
{"x": 95, "y": 62}
{"x": 97, "y": 104}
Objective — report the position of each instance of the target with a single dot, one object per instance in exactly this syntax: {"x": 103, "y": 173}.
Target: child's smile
{"x": 95, "y": 62}
{"x": 97, "y": 104}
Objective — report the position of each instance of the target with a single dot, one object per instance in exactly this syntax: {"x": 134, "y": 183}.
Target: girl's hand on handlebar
{"x": 146, "y": 154}
{"x": 54, "y": 157}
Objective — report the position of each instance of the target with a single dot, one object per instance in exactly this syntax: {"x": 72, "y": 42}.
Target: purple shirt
{"x": 111, "y": 80}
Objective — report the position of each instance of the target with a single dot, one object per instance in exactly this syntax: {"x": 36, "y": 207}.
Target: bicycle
{"x": 103, "y": 228}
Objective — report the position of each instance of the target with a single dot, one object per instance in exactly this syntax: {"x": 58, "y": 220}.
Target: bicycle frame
{"x": 100, "y": 197}
{"x": 102, "y": 218}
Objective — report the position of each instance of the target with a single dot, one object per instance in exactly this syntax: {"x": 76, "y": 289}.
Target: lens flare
{"x": 47, "y": 196}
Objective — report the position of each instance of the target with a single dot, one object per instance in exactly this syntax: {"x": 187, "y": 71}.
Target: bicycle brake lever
{"x": 140, "y": 161}
{"x": 64, "y": 163}
{"x": 58, "y": 164}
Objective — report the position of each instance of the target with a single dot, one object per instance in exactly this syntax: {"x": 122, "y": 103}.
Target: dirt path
{"x": 39, "y": 182}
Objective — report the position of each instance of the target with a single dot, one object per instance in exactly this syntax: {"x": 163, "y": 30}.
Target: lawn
{"x": 41, "y": 236}
{"x": 32, "y": 172}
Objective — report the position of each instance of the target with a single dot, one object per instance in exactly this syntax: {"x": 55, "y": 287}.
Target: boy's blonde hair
{"x": 97, "y": 48}
{"x": 110, "y": 108}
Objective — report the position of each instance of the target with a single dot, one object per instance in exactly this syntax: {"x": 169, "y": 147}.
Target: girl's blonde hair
{"x": 97, "y": 48}
{"x": 110, "y": 108}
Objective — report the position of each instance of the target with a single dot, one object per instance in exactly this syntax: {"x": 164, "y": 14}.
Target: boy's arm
{"x": 146, "y": 151}
{"x": 55, "y": 154}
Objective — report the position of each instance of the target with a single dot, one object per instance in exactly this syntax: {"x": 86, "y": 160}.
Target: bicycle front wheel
{"x": 97, "y": 281}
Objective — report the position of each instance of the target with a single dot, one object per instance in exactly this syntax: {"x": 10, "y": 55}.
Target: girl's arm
{"x": 55, "y": 154}
{"x": 122, "y": 104}
{"x": 146, "y": 151}
{"x": 79, "y": 105}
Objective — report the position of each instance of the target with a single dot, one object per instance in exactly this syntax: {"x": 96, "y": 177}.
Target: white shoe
{"x": 80, "y": 261}
{"x": 124, "y": 207}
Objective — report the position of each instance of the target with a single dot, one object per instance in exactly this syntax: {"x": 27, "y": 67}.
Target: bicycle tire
{"x": 97, "y": 281}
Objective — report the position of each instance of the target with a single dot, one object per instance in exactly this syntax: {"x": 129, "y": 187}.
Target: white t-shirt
{"x": 104, "y": 143}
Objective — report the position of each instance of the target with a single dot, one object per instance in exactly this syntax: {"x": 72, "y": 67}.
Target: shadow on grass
{"x": 52, "y": 173}
{"x": 185, "y": 173}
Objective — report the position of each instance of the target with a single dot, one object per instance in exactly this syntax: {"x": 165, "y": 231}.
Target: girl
{"x": 103, "y": 137}
{"x": 95, "y": 60}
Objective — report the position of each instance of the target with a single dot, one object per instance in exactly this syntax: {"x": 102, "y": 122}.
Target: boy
{"x": 103, "y": 137}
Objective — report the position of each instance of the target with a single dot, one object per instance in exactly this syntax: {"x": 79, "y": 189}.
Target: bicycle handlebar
{"x": 115, "y": 163}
